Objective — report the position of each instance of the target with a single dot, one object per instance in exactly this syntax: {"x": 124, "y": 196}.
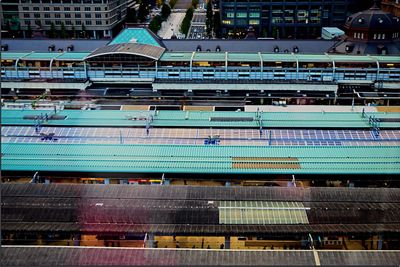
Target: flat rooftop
{"x": 197, "y": 119}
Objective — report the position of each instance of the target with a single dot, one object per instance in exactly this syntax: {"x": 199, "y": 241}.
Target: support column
{"x": 150, "y": 241}
{"x": 380, "y": 241}
{"x": 227, "y": 242}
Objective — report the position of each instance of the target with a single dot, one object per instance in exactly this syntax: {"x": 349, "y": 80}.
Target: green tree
{"x": 83, "y": 30}
{"x": 143, "y": 11}
{"x": 165, "y": 11}
{"x": 63, "y": 32}
{"x": 132, "y": 17}
{"x": 155, "y": 24}
{"x": 53, "y": 32}
{"x": 29, "y": 31}
{"x": 73, "y": 31}
{"x": 185, "y": 26}
{"x": 217, "y": 24}
{"x": 195, "y": 3}
{"x": 209, "y": 18}
{"x": 172, "y": 3}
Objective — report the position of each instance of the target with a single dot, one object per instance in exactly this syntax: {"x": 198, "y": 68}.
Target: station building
{"x": 367, "y": 58}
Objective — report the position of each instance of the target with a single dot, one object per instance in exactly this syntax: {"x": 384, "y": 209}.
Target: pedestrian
{"x": 222, "y": 246}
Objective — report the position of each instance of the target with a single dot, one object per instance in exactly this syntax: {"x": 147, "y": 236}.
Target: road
{"x": 172, "y": 25}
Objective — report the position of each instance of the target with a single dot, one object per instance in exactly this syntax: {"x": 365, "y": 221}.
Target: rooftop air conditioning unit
{"x": 4, "y": 47}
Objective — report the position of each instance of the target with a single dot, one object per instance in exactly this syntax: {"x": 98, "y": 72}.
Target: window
{"x": 47, "y": 22}
{"x": 27, "y": 22}
{"x": 27, "y": 15}
{"x": 78, "y": 16}
{"x": 58, "y": 22}
{"x": 37, "y": 15}
{"x": 87, "y": 8}
{"x": 47, "y": 15}
{"x": 88, "y": 15}
{"x": 67, "y": 8}
{"x": 67, "y": 15}
{"x": 97, "y": 8}
{"x": 77, "y": 8}
{"x": 68, "y": 22}
{"x": 56, "y": 8}
{"x": 98, "y": 15}
{"x": 78, "y": 22}
{"x": 46, "y": 8}
{"x": 88, "y": 22}
{"x": 98, "y": 22}
{"x": 57, "y": 15}
{"x": 25, "y": 8}
{"x": 35, "y": 8}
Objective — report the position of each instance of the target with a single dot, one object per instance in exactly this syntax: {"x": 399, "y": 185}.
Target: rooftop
{"x": 192, "y": 210}
{"x": 200, "y": 159}
{"x": 91, "y": 256}
{"x": 135, "y": 35}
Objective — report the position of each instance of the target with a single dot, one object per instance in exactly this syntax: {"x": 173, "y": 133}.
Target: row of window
{"x": 69, "y": 22}
{"x": 57, "y": 8}
{"x": 66, "y": 15}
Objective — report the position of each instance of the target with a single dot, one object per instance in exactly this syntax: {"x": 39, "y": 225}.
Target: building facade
{"x": 392, "y": 6}
{"x": 81, "y": 18}
{"x": 285, "y": 18}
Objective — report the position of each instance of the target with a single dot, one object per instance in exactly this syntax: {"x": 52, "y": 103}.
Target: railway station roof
{"x": 198, "y": 119}
{"x": 144, "y": 50}
{"x": 136, "y": 35}
{"x": 102, "y": 256}
{"x": 200, "y": 159}
{"x": 186, "y": 210}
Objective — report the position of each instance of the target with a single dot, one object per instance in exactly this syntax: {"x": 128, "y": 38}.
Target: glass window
{"x": 88, "y": 15}
{"x": 88, "y": 22}
{"x": 47, "y": 15}
{"x": 87, "y": 8}
{"x": 77, "y": 8}
{"x": 77, "y": 15}
{"x": 67, "y": 15}
{"x": 67, "y": 8}
{"x": 98, "y": 22}
{"x": 56, "y": 8}
{"x": 58, "y": 22}
{"x": 98, "y": 15}
{"x": 35, "y": 8}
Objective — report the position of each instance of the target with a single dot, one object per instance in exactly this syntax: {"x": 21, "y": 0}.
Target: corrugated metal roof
{"x": 90, "y": 256}
{"x": 199, "y": 159}
{"x": 144, "y": 50}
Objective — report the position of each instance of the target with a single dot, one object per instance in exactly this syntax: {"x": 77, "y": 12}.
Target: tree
{"x": 132, "y": 18}
{"x": 172, "y": 3}
{"x": 217, "y": 24}
{"x": 63, "y": 32}
{"x": 83, "y": 30}
{"x": 73, "y": 31}
{"x": 143, "y": 11}
{"x": 29, "y": 31}
{"x": 209, "y": 18}
{"x": 155, "y": 24}
{"x": 185, "y": 26}
{"x": 165, "y": 11}
{"x": 52, "y": 32}
{"x": 195, "y": 3}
